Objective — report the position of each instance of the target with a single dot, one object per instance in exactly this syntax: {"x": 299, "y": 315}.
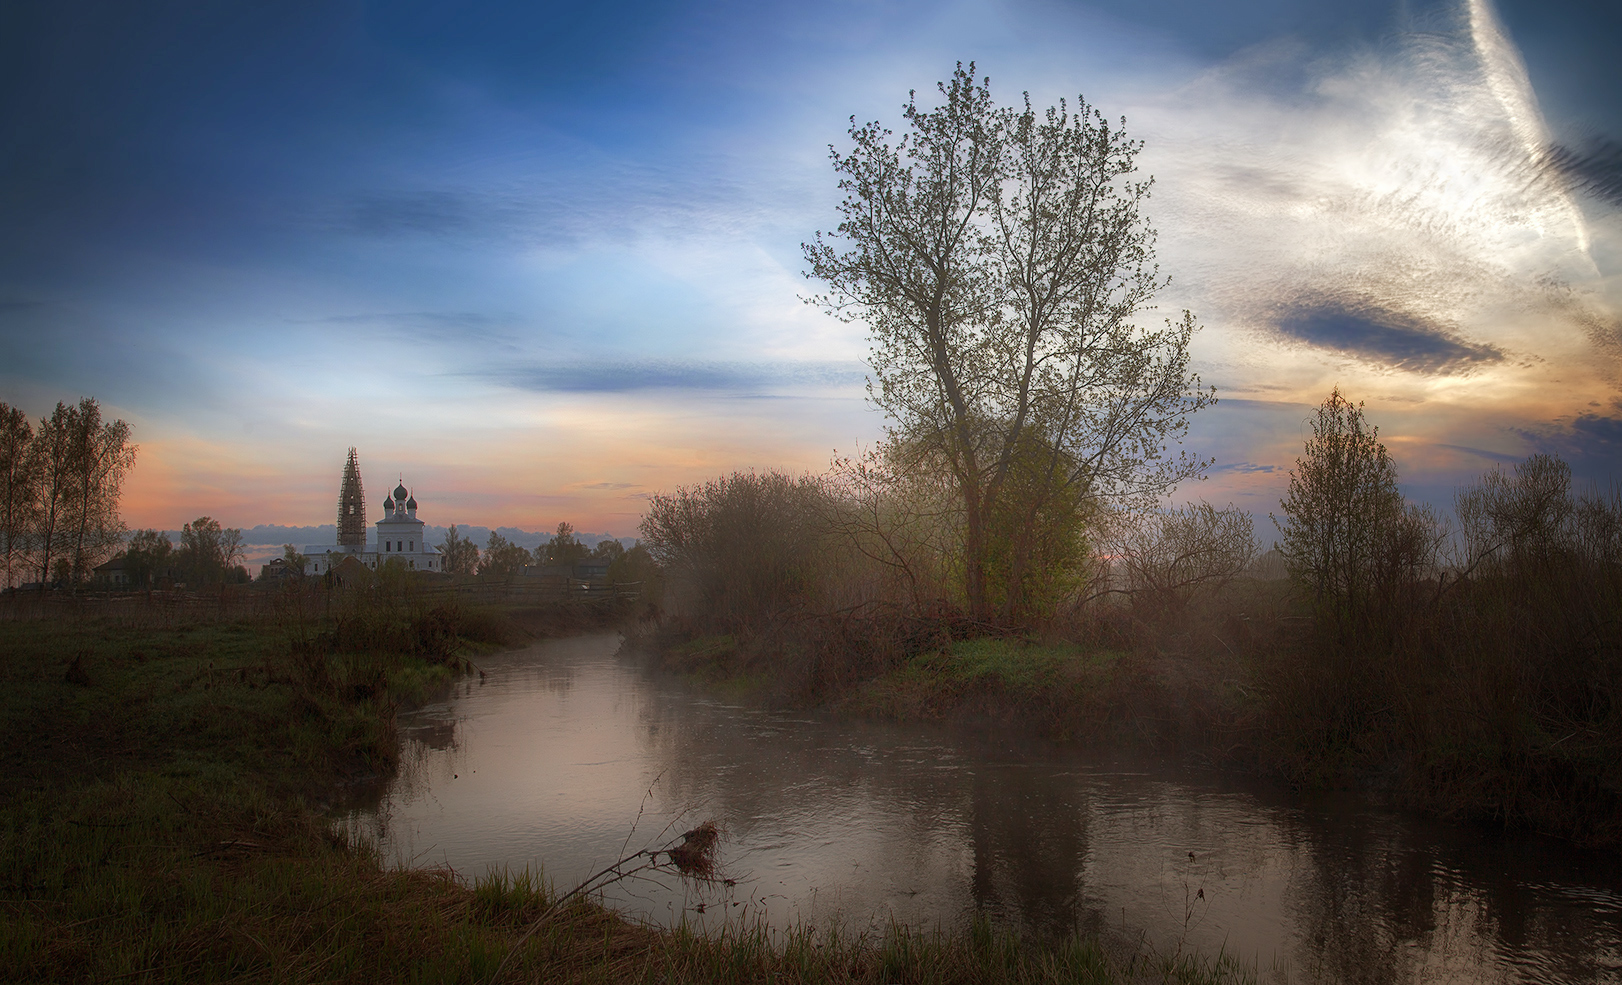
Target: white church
{"x": 399, "y": 533}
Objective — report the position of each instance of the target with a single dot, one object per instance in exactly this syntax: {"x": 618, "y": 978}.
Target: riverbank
{"x": 1440, "y": 715}
{"x": 162, "y": 818}
{"x": 1167, "y": 698}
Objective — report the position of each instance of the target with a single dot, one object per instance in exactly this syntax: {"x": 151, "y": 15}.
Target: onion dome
{"x": 411, "y": 504}
{"x": 400, "y": 493}
{"x": 388, "y": 505}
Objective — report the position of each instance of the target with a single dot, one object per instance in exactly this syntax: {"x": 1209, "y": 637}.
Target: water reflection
{"x": 555, "y": 754}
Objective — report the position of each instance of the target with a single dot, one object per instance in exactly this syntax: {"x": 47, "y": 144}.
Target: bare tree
{"x": 1000, "y": 263}
{"x": 17, "y": 488}
{"x": 461, "y": 554}
{"x": 1166, "y": 556}
{"x": 54, "y": 469}
{"x": 102, "y": 455}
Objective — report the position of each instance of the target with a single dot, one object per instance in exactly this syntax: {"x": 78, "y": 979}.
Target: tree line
{"x": 501, "y": 557}
{"x": 60, "y": 484}
{"x": 208, "y": 554}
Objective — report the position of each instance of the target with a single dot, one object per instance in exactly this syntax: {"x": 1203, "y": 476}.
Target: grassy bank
{"x": 1168, "y": 684}
{"x": 161, "y": 820}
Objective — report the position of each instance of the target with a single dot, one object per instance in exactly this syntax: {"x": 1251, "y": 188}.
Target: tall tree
{"x": 147, "y": 557}
{"x": 1001, "y": 264}
{"x": 563, "y": 548}
{"x": 102, "y": 455}
{"x": 54, "y": 468}
{"x": 17, "y": 486}
{"x": 461, "y": 554}
{"x": 1349, "y": 534}
{"x": 502, "y": 557}
{"x": 209, "y": 553}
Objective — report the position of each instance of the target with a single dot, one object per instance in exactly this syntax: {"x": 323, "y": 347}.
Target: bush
{"x": 744, "y": 549}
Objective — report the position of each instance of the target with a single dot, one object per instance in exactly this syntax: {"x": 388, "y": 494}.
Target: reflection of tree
{"x": 1029, "y": 829}
{"x": 1388, "y": 893}
{"x": 1025, "y": 827}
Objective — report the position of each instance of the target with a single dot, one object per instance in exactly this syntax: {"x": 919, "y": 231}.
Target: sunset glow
{"x": 545, "y": 265}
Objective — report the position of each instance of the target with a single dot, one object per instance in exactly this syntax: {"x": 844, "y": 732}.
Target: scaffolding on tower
{"x": 351, "y": 506}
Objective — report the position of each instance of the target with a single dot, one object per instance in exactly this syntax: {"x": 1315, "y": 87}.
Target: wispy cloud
{"x": 1595, "y": 170}
{"x": 733, "y": 378}
{"x": 1399, "y": 206}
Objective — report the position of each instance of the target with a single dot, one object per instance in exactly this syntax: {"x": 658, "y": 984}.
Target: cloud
{"x": 433, "y": 212}
{"x": 1591, "y": 443}
{"x": 606, "y": 485}
{"x": 460, "y": 327}
{"x": 1389, "y": 338}
{"x": 1244, "y": 468}
{"x": 1600, "y": 430}
{"x": 1491, "y": 456}
{"x": 734, "y": 378}
{"x": 1399, "y": 204}
{"x": 1596, "y": 171}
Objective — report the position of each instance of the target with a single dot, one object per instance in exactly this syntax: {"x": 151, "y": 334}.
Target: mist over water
{"x": 550, "y": 760}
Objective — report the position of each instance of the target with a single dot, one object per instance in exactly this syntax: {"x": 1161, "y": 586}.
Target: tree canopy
{"x": 1001, "y": 264}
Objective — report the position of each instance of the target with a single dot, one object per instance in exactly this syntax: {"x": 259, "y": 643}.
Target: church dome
{"x": 400, "y": 493}
{"x": 388, "y": 505}
{"x": 411, "y": 504}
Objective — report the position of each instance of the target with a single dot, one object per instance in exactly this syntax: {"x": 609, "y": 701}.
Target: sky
{"x": 543, "y": 260}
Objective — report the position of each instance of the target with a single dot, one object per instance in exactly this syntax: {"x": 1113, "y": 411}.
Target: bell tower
{"x": 351, "y": 507}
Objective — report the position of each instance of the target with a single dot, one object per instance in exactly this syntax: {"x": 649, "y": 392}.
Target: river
{"x": 566, "y": 755}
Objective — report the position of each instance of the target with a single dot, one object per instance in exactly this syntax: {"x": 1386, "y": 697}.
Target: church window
{"x": 413, "y": 545}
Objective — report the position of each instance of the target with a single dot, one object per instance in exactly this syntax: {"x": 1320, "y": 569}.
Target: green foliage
{"x": 1037, "y": 537}
{"x": 148, "y": 558}
{"x": 1012, "y": 664}
{"x": 1496, "y": 693}
{"x": 209, "y": 554}
{"x": 564, "y": 548}
{"x": 296, "y": 562}
{"x": 502, "y": 558}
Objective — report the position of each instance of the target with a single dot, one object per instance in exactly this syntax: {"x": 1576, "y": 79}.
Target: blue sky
{"x": 544, "y": 259}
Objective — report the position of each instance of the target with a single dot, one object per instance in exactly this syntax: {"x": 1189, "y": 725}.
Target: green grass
{"x": 1012, "y": 665}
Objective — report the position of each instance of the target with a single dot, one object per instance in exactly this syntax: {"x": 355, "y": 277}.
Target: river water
{"x": 567, "y": 755}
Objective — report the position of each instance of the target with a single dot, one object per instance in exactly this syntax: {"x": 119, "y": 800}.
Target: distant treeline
{"x": 501, "y": 557}
{"x": 327, "y": 533}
